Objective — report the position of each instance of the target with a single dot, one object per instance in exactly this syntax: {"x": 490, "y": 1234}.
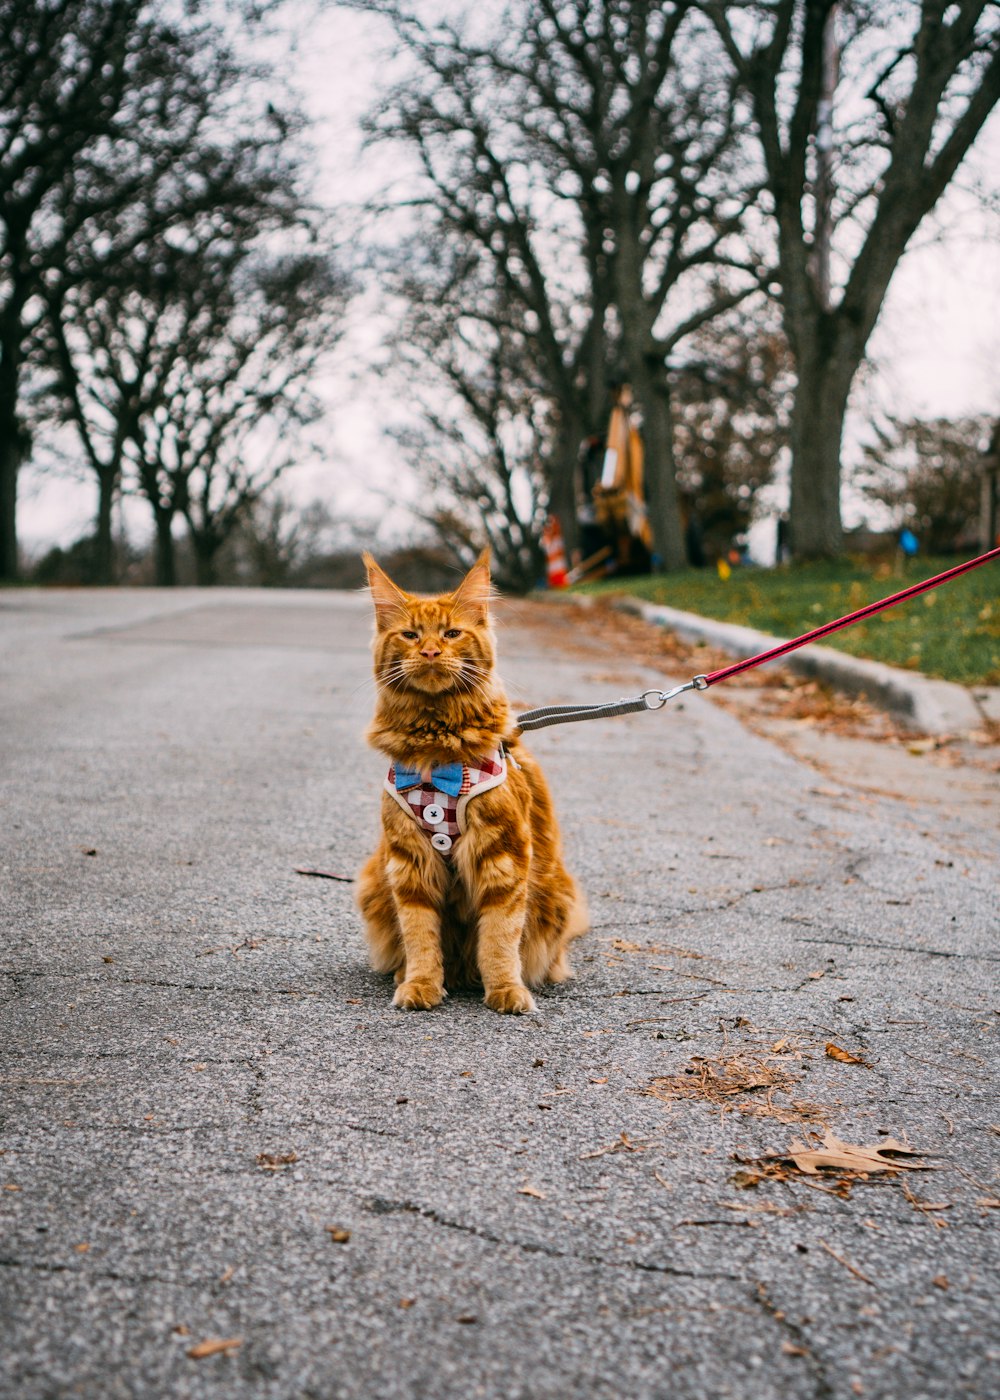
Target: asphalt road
{"x": 215, "y": 1127}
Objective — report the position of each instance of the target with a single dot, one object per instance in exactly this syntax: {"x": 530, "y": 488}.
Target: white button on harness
{"x": 441, "y": 841}
{"x": 433, "y": 814}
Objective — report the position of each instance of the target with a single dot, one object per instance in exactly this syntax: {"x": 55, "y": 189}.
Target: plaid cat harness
{"x": 438, "y": 803}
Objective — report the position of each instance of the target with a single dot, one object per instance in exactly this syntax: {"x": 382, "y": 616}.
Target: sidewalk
{"x": 928, "y": 705}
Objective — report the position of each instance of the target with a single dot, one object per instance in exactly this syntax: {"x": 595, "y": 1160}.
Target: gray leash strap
{"x": 569, "y": 714}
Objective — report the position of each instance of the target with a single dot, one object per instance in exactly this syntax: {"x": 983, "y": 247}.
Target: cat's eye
{"x": 452, "y": 633}
{"x": 410, "y": 636}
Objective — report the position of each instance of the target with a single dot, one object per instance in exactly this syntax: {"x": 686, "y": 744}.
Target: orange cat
{"x": 467, "y": 885}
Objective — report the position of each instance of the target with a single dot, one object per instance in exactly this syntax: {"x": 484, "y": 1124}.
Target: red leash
{"x": 656, "y": 699}
{"x": 869, "y": 611}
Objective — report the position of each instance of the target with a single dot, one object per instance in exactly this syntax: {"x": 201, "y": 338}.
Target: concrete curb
{"x": 934, "y": 707}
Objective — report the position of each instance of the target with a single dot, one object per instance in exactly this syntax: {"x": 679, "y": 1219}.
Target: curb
{"x": 932, "y": 706}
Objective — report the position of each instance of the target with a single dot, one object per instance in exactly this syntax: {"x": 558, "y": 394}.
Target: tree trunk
{"x": 660, "y": 466}
{"x": 817, "y": 430}
{"x": 206, "y": 549}
{"x": 10, "y": 460}
{"x": 104, "y": 543}
{"x": 562, "y": 481}
{"x": 166, "y": 556}
{"x": 11, "y": 453}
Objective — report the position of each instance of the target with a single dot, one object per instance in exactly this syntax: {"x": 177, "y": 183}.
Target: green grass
{"x": 952, "y": 633}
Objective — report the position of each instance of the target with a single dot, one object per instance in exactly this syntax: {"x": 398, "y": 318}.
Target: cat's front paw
{"x": 419, "y": 994}
{"x": 510, "y": 999}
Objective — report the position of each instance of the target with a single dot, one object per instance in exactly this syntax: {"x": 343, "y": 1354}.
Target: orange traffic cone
{"x": 555, "y": 554}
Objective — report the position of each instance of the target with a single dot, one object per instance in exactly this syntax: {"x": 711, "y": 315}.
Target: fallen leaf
{"x": 843, "y": 1156}
{"x": 940, "y": 1281}
{"x": 212, "y": 1346}
{"x": 467, "y": 1317}
{"x": 338, "y": 1235}
{"x": 182, "y": 1329}
{"x": 227, "y": 1274}
{"x": 324, "y": 874}
{"x": 274, "y": 1161}
{"x": 531, "y": 1191}
{"x": 845, "y": 1057}
{"x": 407, "y": 1302}
{"x": 790, "y": 1349}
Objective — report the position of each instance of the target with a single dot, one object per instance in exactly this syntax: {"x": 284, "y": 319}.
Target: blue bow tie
{"x": 447, "y": 778}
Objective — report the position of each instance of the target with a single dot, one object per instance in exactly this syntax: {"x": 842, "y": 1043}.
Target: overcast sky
{"x": 936, "y": 347}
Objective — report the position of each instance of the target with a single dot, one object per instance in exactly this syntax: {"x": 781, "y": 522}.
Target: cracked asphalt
{"x": 215, "y": 1129}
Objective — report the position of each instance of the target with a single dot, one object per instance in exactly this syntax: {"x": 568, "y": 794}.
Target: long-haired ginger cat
{"x": 467, "y": 885}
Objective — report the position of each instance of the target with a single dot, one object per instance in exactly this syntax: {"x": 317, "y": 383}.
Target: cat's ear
{"x": 474, "y": 592}
{"x": 391, "y": 603}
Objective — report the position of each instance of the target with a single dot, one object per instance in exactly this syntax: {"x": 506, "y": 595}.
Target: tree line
{"x": 706, "y": 200}
{"x": 167, "y": 288}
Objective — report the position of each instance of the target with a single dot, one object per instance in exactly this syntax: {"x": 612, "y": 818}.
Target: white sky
{"x": 936, "y": 347}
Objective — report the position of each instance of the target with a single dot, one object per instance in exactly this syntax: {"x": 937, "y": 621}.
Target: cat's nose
{"x": 430, "y": 651}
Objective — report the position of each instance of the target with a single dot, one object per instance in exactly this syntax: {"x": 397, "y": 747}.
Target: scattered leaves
{"x": 745, "y": 1082}
{"x": 531, "y": 1191}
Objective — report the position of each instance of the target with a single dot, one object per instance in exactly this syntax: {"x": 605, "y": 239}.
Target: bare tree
{"x": 79, "y": 81}
{"x": 572, "y": 158}
{"x": 917, "y": 81}
{"x": 928, "y": 472}
{"x": 199, "y": 177}
{"x": 733, "y": 399}
{"x": 481, "y": 433}
{"x": 230, "y": 346}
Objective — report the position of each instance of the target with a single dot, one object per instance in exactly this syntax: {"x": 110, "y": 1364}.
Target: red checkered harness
{"x": 426, "y": 801}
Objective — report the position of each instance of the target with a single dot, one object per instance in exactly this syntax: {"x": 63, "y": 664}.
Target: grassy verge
{"x": 952, "y": 633}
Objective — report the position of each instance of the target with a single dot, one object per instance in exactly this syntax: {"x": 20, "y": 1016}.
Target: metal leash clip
{"x": 656, "y": 699}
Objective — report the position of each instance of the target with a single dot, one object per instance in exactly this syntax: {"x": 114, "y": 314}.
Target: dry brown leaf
{"x": 531, "y": 1191}
{"x": 790, "y": 1349}
{"x": 843, "y": 1156}
{"x": 274, "y": 1161}
{"x": 338, "y": 1235}
{"x": 835, "y": 1052}
{"x": 213, "y": 1345}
